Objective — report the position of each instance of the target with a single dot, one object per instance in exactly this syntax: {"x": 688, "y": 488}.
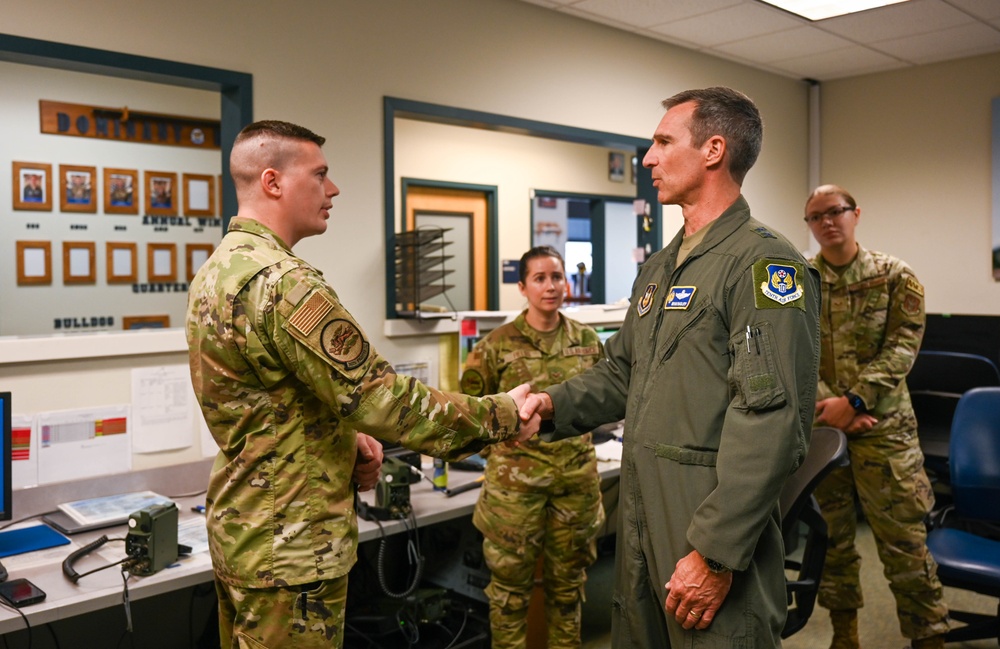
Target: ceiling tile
{"x": 844, "y": 62}
{"x": 966, "y": 40}
{"x": 727, "y": 25}
{"x": 985, "y": 9}
{"x": 896, "y": 21}
{"x": 647, "y": 13}
{"x": 800, "y": 41}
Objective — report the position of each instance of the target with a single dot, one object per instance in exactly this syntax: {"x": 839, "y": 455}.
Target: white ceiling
{"x": 756, "y": 34}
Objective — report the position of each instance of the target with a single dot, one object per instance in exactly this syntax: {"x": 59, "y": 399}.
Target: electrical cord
{"x": 413, "y": 554}
{"x": 27, "y": 625}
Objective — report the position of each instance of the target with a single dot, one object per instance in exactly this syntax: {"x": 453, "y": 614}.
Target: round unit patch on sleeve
{"x": 344, "y": 343}
{"x": 472, "y": 383}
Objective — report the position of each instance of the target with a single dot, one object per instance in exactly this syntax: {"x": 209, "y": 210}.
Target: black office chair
{"x": 966, "y": 557}
{"x": 827, "y": 451}
{"x": 936, "y": 383}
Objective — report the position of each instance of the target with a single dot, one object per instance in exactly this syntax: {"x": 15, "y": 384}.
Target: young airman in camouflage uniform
{"x": 541, "y": 498}
{"x": 287, "y": 381}
{"x": 871, "y": 326}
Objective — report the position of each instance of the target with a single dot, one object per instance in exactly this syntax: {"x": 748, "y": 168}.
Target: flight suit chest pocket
{"x": 677, "y": 324}
{"x": 754, "y": 377}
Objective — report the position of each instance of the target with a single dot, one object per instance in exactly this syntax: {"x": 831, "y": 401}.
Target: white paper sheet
{"x": 79, "y": 262}
{"x": 34, "y": 262}
{"x": 121, "y": 262}
{"x": 423, "y": 371}
{"x": 198, "y": 194}
{"x": 161, "y": 409}
{"x": 83, "y": 443}
{"x": 163, "y": 262}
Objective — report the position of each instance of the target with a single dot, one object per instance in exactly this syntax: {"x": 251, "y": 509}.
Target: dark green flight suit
{"x": 715, "y": 422}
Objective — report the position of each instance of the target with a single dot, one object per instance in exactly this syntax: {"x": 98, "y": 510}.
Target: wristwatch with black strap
{"x": 856, "y": 402}
{"x": 715, "y": 566}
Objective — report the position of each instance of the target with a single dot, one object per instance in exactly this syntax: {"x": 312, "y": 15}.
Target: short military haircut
{"x": 729, "y": 113}
{"x": 534, "y": 253}
{"x": 833, "y": 190}
{"x": 263, "y": 145}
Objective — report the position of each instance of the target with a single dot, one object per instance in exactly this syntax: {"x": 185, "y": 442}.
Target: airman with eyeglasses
{"x": 871, "y": 325}
{"x": 832, "y": 214}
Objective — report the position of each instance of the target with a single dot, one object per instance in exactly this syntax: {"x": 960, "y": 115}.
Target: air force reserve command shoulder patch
{"x": 646, "y": 301}
{"x": 679, "y": 297}
{"x": 344, "y": 343}
{"x": 777, "y": 284}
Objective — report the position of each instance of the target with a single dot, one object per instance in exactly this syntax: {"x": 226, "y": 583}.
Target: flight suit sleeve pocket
{"x": 755, "y": 376}
{"x": 330, "y": 333}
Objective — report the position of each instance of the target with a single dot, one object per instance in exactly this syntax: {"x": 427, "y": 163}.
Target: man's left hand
{"x": 368, "y": 464}
{"x": 695, "y": 593}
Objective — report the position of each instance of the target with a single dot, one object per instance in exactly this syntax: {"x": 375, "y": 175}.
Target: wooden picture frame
{"x": 146, "y": 322}
{"x": 77, "y": 188}
{"x": 196, "y": 254}
{"x": 199, "y": 194}
{"x": 32, "y": 185}
{"x": 79, "y": 262}
{"x": 34, "y": 263}
{"x": 161, "y": 262}
{"x": 161, "y": 193}
{"x": 121, "y": 191}
{"x": 122, "y": 262}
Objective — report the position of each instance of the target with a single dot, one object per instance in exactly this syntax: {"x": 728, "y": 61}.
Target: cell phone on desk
{"x": 21, "y": 592}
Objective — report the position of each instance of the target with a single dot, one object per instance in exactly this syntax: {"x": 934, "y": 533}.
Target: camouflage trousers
{"x": 887, "y": 473}
{"x": 556, "y": 523}
{"x": 305, "y": 617}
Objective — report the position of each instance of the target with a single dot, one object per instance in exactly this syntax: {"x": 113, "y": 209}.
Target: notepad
{"x": 29, "y": 539}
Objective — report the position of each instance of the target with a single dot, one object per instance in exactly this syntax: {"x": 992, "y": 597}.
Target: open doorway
{"x": 597, "y": 236}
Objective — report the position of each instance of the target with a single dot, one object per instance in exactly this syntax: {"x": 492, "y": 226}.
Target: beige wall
{"x": 913, "y": 148}
{"x": 328, "y": 63}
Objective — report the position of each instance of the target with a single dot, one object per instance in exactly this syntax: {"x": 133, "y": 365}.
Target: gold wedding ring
{"x": 696, "y": 616}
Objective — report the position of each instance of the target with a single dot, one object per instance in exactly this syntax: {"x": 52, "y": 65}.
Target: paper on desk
{"x": 24, "y": 456}
{"x": 193, "y": 533}
{"x": 161, "y": 408}
{"x": 609, "y": 451}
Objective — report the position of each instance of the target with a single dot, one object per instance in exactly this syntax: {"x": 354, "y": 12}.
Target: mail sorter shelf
{"x": 420, "y": 269}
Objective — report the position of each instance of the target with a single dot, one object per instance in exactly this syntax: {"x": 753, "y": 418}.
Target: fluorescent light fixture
{"x": 820, "y": 9}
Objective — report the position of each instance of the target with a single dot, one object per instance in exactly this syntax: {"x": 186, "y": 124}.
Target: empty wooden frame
{"x": 79, "y": 262}
{"x": 199, "y": 195}
{"x": 123, "y": 262}
{"x": 196, "y": 254}
{"x": 34, "y": 262}
{"x": 161, "y": 262}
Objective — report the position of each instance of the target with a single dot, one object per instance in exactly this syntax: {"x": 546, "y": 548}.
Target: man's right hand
{"x": 539, "y": 403}
{"x": 531, "y": 423}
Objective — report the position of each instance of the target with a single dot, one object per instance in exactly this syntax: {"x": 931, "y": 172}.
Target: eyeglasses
{"x": 833, "y": 214}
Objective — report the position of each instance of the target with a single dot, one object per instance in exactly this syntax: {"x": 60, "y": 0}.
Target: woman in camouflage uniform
{"x": 539, "y": 499}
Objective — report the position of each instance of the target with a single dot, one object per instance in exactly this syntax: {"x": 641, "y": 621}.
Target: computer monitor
{"x": 5, "y": 457}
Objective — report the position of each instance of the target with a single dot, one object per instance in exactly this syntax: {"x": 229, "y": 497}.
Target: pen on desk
{"x": 198, "y": 509}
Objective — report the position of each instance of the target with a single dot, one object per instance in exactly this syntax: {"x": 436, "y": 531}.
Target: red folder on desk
{"x": 29, "y": 539}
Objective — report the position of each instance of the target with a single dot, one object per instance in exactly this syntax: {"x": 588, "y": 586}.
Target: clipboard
{"x": 69, "y": 525}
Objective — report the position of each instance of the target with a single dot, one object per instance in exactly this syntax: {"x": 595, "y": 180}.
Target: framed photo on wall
{"x": 145, "y": 322}
{"x": 77, "y": 187}
{"x": 121, "y": 191}
{"x": 34, "y": 262}
{"x": 199, "y": 195}
{"x": 195, "y": 255}
{"x": 161, "y": 193}
{"x": 123, "y": 262}
{"x": 161, "y": 262}
{"x": 79, "y": 262}
{"x": 616, "y": 167}
{"x": 32, "y": 184}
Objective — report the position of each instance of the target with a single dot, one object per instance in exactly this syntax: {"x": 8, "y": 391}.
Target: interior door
{"x": 465, "y": 212}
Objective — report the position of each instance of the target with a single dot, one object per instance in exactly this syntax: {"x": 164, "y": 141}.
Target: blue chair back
{"x": 975, "y": 455}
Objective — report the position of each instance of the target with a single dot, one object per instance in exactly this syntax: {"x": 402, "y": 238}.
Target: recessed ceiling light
{"x": 820, "y": 9}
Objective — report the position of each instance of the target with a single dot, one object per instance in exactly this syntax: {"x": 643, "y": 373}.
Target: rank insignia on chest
{"x": 679, "y": 297}
{"x": 781, "y": 285}
{"x": 646, "y": 301}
